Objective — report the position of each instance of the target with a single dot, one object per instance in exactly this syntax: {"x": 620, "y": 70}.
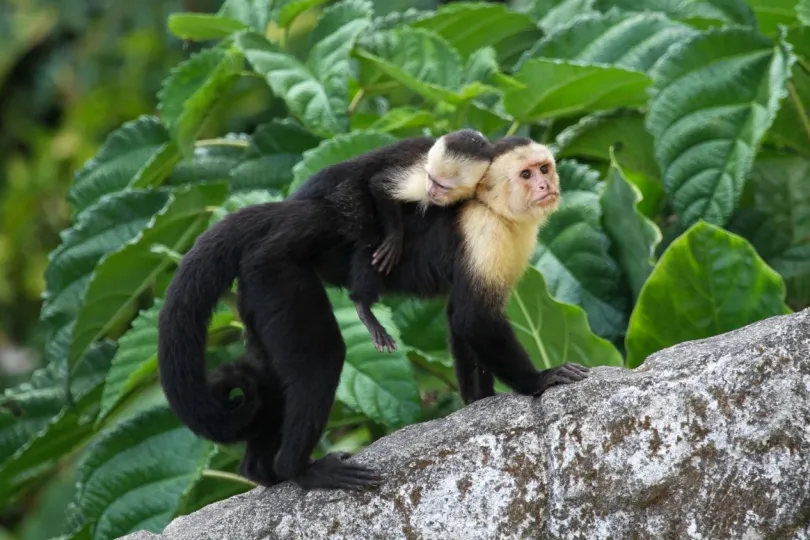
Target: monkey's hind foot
{"x": 387, "y": 254}
{"x": 333, "y": 472}
{"x": 380, "y": 337}
{"x": 565, "y": 374}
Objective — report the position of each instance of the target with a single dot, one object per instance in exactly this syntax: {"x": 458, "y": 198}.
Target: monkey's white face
{"x": 450, "y": 179}
{"x": 523, "y": 184}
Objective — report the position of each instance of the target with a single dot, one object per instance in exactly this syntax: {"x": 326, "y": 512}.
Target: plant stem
{"x": 222, "y": 142}
{"x": 799, "y": 107}
{"x": 212, "y": 473}
{"x": 358, "y": 97}
{"x": 433, "y": 371}
{"x": 513, "y": 128}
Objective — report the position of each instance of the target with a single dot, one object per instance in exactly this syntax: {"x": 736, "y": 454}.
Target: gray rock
{"x": 708, "y": 439}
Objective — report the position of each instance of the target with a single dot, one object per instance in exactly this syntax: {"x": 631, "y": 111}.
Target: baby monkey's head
{"x": 455, "y": 165}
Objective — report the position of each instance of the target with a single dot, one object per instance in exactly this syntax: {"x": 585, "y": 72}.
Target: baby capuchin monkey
{"x": 447, "y": 173}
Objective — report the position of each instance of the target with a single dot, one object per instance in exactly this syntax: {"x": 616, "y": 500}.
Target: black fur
{"x": 468, "y": 143}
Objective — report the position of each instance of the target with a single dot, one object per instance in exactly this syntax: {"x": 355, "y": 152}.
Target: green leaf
{"x": 335, "y": 150}
{"x": 403, "y": 118}
{"x": 136, "y": 476}
{"x": 552, "y": 15}
{"x": 626, "y": 40}
{"x": 203, "y": 26}
{"x": 105, "y": 227}
{"x": 469, "y": 27}
{"x": 418, "y": 59}
{"x": 552, "y": 332}
{"x": 315, "y": 92}
{"x": 135, "y": 360}
{"x": 285, "y": 11}
{"x": 122, "y": 276}
{"x": 213, "y": 160}
{"x": 702, "y": 13}
{"x": 33, "y": 444}
{"x": 778, "y": 225}
{"x": 803, "y": 12}
{"x": 254, "y": 13}
{"x": 633, "y": 236}
{"x": 194, "y": 88}
{"x": 339, "y": 14}
{"x": 715, "y": 97}
{"x": 125, "y": 156}
{"x": 791, "y": 128}
{"x": 771, "y": 13}
{"x": 274, "y": 150}
{"x": 572, "y": 253}
{"x": 721, "y": 283}
{"x": 380, "y": 385}
{"x": 423, "y": 327}
{"x": 557, "y": 88}
{"x": 242, "y": 199}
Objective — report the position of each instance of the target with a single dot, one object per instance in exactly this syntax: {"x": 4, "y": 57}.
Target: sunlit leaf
{"x": 203, "y": 26}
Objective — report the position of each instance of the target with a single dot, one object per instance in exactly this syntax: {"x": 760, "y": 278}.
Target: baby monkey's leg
{"x": 365, "y": 287}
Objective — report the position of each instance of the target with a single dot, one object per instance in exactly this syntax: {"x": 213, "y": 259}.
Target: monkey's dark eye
{"x": 544, "y": 168}
{"x": 525, "y": 174}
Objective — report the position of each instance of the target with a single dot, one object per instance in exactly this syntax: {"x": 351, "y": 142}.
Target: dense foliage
{"x": 683, "y": 136}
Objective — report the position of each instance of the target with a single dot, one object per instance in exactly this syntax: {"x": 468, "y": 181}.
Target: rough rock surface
{"x": 708, "y": 439}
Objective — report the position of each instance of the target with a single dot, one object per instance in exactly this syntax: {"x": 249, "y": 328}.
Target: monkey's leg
{"x": 295, "y": 324}
{"x": 474, "y": 382}
{"x": 365, "y": 287}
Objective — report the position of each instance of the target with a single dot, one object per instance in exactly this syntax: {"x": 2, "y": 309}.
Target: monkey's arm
{"x": 479, "y": 323}
{"x": 389, "y": 213}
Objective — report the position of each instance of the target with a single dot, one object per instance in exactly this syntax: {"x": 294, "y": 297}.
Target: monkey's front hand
{"x": 332, "y": 471}
{"x": 565, "y": 374}
{"x": 387, "y": 254}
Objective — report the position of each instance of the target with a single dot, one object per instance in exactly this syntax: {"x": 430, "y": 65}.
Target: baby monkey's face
{"x": 455, "y": 165}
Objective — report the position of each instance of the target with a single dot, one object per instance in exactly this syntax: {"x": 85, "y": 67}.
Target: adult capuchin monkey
{"x": 281, "y": 252}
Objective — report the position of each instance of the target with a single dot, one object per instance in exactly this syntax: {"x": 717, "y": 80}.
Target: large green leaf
{"x": 422, "y": 326}
{"x": 572, "y": 254}
{"x": 380, "y": 385}
{"x": 315, "y": 92}
{"x": 778, "y": 224}
{"x": 335, "y": 150}
{"x": 136, "y": 476}
{"x": 700, "y": 12}
{"x": 339, "y": 14}
{"x": 125, "y": 156}
{"x": 193, "y": 89}
{"x": 552, "y": 332}
{"x": 555, "y": 88}
{"x": 627, "y": 40}
{"x": 42, "y": 431}
{"x": 213, "y": 160}
{"x": 707, "y": 282}
{"x": 203, "y": 26}
{"x": 421, "y": 61}
{"x": 633, "y": 236}
{"x": 771, "y": 13}
{"x": 254, "y": 13}
{"x": 275, "y": 148}
{"x": 803, "y": 12}
{"x": 285, "y": 11}
{"x": 551, "y": 15}
{"x": 105, "y": 227}
{"x": 469, "y": 27}
{"x": 715, "y": 97}
{"x": 792, "y": 125}
{"x": 123, "y": 275}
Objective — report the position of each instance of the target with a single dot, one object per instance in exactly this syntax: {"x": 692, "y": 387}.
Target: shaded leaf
{"x": 123, "y": 157}
{"x": 380, "y": 385}
{"x": 285, "y": 11}
{"x": 771, "y": 13}
{"x": 403, "y": 118}
{"x": 627, "y": 40}
{"x": 422, "y": 326}
{"x": 632, "y": 236}
{"x": 335, "y": 150}
{"x": 791, "y": 128}
{"x": 721, "y": 283}
{"x": 803, "y": 12}
{"x": 715, "y": 97}
{"x": 339, "y": 14}
{"x": 557, "y": 88}
{"x": 552, "y": 332}
{"x": 700, "y": 12}
{"x": 193, "y": 89}
{"x": 778, "y": 224}
{"x": 469, "y": 27}
{"x": 203, "y": 26}
{"x": 136, "y": 476}
{"x": 572, "y": 253}
{"x": 552, "y": 15}
{"x": 212, "y": 160}
{"x": 122, "y": 276}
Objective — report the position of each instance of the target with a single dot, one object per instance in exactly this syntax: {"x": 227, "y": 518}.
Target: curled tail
{"x": 204, "y": 275}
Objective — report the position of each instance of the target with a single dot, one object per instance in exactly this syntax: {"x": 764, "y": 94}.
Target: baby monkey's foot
{"x": 380, "y": 337}
{"x": 387, "y": 253}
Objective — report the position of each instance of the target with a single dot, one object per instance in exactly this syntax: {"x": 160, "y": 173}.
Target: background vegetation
{"x": 682, "y": 129}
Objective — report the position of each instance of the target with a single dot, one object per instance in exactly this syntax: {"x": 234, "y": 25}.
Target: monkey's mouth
{"x": 548, "y": 199}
